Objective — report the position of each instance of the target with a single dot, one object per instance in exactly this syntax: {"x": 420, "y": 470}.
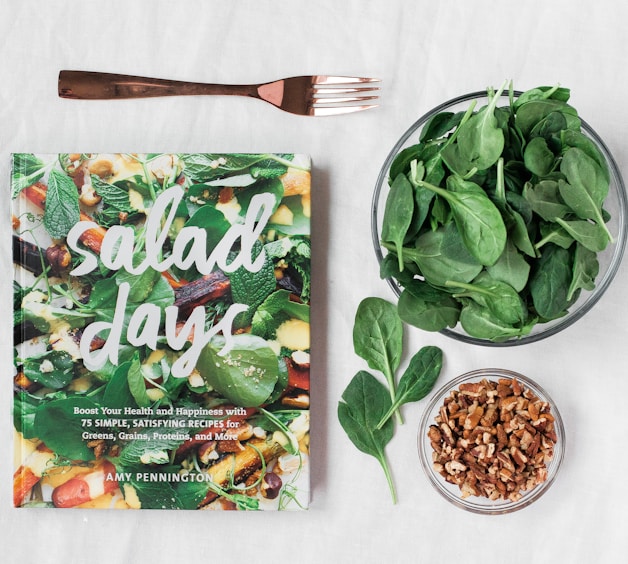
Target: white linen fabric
{"x": 425, "y": 52}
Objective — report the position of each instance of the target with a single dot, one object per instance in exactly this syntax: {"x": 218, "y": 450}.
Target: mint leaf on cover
{"x": 62, "y": 205}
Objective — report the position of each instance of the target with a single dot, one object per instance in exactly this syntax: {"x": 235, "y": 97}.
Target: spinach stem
{"x": 392, "y": 389}
{"x": 391, "y": 485}
{"x": 394, "y": 408}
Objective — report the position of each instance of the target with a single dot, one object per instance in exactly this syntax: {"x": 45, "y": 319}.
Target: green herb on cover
{"x": 507, "y": 216}
{"x": 367, "y": 405}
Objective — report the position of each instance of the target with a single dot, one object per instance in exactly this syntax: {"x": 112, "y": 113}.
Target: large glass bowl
{"x": 452, "y": 492}
{"x": 616, "y": 204}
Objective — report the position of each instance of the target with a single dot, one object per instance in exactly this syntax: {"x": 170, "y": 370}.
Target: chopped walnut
{"x": 493, "y": 439}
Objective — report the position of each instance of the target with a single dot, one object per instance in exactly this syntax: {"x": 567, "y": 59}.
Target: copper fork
{"x": 317, "y": 95}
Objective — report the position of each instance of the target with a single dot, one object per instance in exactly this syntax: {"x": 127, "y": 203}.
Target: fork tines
{"x": 343, "y": 94}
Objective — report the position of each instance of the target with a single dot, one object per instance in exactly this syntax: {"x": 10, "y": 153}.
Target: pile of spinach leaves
{"x": 494, "y": 219}
{"x": 367, "y": 406}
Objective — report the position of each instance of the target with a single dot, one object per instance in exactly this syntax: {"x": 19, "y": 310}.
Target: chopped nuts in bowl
{"x": 491, "y": 441}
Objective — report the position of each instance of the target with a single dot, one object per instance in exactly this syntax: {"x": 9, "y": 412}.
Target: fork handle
{"x": 86, "y": 85}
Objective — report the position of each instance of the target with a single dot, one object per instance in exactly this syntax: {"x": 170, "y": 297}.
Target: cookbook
{"x": 161, "y": 330}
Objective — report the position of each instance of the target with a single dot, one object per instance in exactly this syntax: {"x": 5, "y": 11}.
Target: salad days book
{"x": 161, "y": 330}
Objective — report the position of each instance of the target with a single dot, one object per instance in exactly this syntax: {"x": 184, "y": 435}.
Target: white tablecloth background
{"x": 425, "y": 52}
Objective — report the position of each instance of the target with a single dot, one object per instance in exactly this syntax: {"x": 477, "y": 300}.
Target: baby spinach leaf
{"x": 590, "y": 235}
{"x": 378, "y": 338}
{"x": 441, "y": 255}
{"x": 364, "y": 402}
{"x": 545, "y": 199}
{"x": 543, "y": 93}
{"x": 378, "y": 335}
{"x": 480, "y": 140}
{"x": 140, "y": 286}
{"x": 550, "y": 281}
{"x": 52, "y": 369}
{"x": 553, "y": 233}
{"x": 417, "y": 380}
{"x": 585, "y": 270}
{"x": 427, "y": 308}
{"x": 439, "y": 125}
{"x": 118, "y": 392}
{"x": 571, "y": 138}
{"x": 401, "y": 162}
{"x": 62, "y": 206}
{"x": 61, "y": 430}
{"x": 246, "y": 374}
{"x": 538, "y": 158}
{"x": 137, "y": 383}
{"x": 479, "y": 222}
{"x": 585, "y": 187}
{"x": 533, "y": 111}
{"x": 213, "y": 222}
{"x": 511, "y": 268}
{"x": 502, "y": 300}
{"x": 481, "y": 323}
{"x": 398, "y": 214}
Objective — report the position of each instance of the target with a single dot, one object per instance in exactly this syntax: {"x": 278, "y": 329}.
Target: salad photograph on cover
{"x": 161, "y": 330}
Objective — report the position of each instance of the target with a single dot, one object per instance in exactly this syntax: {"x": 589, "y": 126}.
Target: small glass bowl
{"x": 452, "y": 492}
{"x": 616, "y": 204}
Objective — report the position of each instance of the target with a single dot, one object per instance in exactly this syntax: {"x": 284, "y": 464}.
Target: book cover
{"x": 161, "y": 330}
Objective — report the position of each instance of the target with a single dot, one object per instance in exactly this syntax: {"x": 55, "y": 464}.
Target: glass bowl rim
{"x": 499, "y": 507}
{"x": 601, "y": 284}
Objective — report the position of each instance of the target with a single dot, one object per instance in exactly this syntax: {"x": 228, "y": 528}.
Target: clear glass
{"x": 451, "y": 492}
{"x": 616, "y": 204}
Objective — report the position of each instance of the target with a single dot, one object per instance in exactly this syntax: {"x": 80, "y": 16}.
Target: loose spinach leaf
{"x": 417, "y": 380}
{"x": 364, "y": 402}
{"x": 378, "y": 338}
